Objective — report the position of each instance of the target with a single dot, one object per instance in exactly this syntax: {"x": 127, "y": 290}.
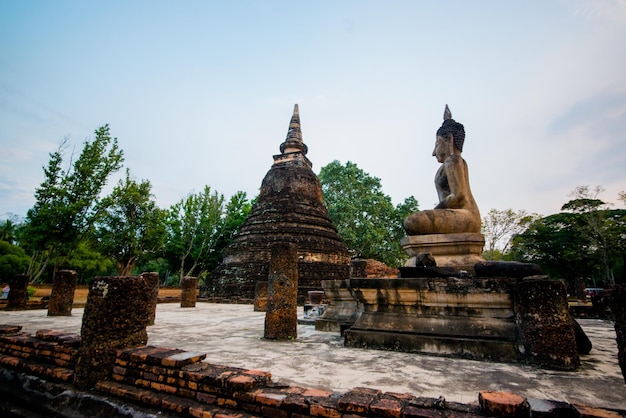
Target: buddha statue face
{"x": 442, "y": 148}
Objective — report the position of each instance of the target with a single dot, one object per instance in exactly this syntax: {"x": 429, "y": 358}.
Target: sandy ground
{"x": 233, "y": 335}
{"x": 81, "y": 292}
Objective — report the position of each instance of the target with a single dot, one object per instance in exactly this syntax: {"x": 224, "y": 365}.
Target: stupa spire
{"x": 293, "y": 142}
{"x": 447, "y": 114}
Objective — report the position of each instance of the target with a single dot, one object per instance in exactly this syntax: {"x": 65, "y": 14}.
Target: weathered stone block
{"x": 189, "y": 292}
{"x": 358, "y": 268}
{"x": 19, "y": 294}
{"x": 62, "y": 296}
{"x": 281, "y": 320}
{"x": 514, "y": 269}
{"x": 115, "y": 317}
{"x": 152, "y": 279}
{"x": 542, "y": 316}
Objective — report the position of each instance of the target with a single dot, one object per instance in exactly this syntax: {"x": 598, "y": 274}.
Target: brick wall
{"x": 50, "y": 354}
{"x": 181, "y": 383}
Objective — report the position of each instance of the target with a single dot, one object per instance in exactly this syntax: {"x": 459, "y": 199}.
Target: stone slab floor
{"x": 233, "y": 335}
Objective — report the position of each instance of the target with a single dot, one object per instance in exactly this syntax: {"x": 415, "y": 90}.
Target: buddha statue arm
{"x": 454, "y": 196}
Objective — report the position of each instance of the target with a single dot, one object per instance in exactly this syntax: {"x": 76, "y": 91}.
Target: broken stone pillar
{"x": 18, "y": 295}
{"x": 281, "y": 317}
{"x": 62, "y": 296}
{"x": 618, "y": 307}
{"x": 260, "y": 296}
{"x": 153, "y": 282}
{"x": 189, "y": 292}
{"x": 542, "y": 316}
{"x": 358, "y": 268}
{"x": 115, "y": 317}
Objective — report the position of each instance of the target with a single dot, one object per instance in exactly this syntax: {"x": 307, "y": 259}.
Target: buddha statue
{"x": 456, "y": 211}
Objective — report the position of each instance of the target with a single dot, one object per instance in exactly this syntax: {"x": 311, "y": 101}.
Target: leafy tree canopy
{"x": 9, "y": 228}
{"x": 88, "y": 262}
{"x": 200, "y": 226}
{"x": 64, "y": 210}
{"x": 586, "y": 240}
{"x": 13, "y": 260}
{"x": 500, "y": 227}
{"x": 365, "y": 217}
{"x": 130, "y": 225}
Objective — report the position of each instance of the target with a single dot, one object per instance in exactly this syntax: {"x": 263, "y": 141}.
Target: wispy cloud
{"x": 607, "y": 10}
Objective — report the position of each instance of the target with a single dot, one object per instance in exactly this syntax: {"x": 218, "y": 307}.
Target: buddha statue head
{"x": 452, "y": 129}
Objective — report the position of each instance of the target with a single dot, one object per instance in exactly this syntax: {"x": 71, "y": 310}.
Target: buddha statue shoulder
{"x": 456, "y": 211}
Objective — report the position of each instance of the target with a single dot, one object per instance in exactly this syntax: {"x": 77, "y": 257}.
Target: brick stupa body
{"x": 289, "y": 209}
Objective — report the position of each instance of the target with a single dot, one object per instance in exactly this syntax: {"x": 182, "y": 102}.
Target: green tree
{"x": 194, "y": 226}
{"x": 585, "y": 240}
{"x": 64, "y": 210}
{"x": 602, "y": 228}
{"x": 130, "y": 226}
{"x": 500, "y": 227}
{"x": 9, "y": 229}
{"x": 13, "y": 260}
{"x": 555, "y": 243}
{"x": 365, "y": 217}
{"x": 237, "y": 210}
{"x": 88, "y": 262}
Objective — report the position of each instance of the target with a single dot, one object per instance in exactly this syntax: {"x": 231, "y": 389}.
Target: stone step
{"x": 470, "y": 348}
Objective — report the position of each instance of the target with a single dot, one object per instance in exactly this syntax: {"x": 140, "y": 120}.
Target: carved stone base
{"x": 494, "y": 319}
{"x": 459, "y": 251}
{"x": 343, "y": 309}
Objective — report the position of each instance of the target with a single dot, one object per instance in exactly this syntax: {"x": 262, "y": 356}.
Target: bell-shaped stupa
{"x": 289, "y": 208}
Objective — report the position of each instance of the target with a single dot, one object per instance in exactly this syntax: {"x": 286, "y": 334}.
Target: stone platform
{"x": 495, "y": 319}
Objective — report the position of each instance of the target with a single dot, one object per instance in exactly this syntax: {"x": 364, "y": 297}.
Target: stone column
{"x": 281, "y": 318}
{"x": 618, "y": 307}
{"x": 115, "y": 317}
{"x": 189, "y": 292}
{"x": 62, "y": 296}
{"x": 358, "y": 268}
{"x": 260, "y": 296}
{"x": 542, "y": 316}
{"x": 153, "y": 282}
{"x": 19, "y": 293}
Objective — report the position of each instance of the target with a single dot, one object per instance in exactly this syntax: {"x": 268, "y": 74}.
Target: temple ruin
{"x": 289, "y": 209}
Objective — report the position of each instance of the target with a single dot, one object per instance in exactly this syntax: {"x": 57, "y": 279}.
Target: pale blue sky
{"x": 201, "y": 92}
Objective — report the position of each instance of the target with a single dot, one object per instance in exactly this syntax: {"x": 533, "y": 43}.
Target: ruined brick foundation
{"x": 152, "y": 381}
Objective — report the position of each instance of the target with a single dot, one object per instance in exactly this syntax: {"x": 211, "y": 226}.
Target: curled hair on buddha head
{"x": 450, "y": 126}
